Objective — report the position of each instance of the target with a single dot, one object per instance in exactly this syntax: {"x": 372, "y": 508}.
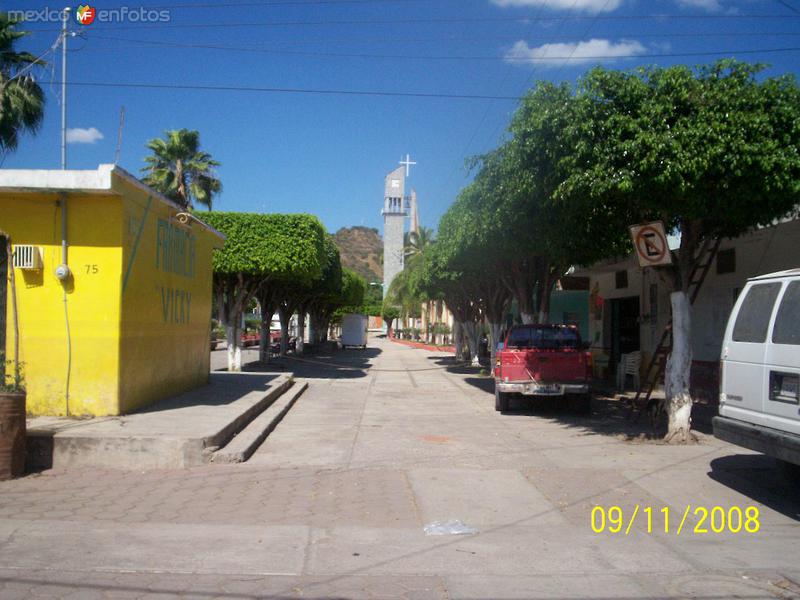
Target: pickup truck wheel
{"x": 500, "y": 400}
{"x": 582, "y": 404}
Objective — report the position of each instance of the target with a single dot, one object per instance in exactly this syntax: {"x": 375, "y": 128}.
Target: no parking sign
{"x": 650, "y": 243}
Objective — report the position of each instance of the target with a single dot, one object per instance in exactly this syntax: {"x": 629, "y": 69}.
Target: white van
{"x": 759, "y": 406}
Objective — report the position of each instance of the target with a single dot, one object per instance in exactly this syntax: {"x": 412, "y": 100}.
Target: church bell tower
{"x": 395, "y": 210}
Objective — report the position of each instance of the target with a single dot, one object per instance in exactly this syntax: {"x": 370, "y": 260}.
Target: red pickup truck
{"x": 543, "y": 360}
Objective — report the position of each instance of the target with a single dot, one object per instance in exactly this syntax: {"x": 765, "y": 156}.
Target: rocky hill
{"x": 361, "y": 249}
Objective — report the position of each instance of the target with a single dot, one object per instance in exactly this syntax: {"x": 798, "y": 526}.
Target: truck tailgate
{"x": 543, "y": 366}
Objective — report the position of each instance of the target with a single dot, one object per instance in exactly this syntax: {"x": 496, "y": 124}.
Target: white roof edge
{"x": 84, "y": 180}
{"x": 778, "y": 274}
{"x": 136, "y": 182}
{"x": 57, "y": 180}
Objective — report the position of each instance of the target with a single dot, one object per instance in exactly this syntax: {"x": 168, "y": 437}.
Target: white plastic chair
{"x": 629, "y": 364}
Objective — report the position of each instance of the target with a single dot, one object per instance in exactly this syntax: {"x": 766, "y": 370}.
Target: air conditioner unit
{"x": 27, "y": 257}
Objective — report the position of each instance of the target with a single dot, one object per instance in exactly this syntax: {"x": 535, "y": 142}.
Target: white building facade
{"x": 629, "y": 306}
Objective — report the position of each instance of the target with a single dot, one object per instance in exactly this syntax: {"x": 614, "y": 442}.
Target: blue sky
{"x": 327, "y": 154}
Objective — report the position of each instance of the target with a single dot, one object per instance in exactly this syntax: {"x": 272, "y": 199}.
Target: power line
{"x": 442, "y": 57}
{"x": 489, "y": 104}
{"x": 234, "y": 88}
{"x": 789, "y": 6}
{"x": 500, "y": 38}
{"x": 410, "y": 21}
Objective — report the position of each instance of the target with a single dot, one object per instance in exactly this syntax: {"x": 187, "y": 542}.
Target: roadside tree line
{"x": 712, "y": 152}
{"x": 289, "y": 264}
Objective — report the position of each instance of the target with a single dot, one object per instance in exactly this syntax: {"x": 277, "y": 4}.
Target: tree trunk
{"x": 234, "y": 342}
{"x": 678, "y": 371}
{"x": 263, "y": 342}
{"x": 494, "y": 339}
{"x": 284, "y": 316}
{"x": 473, "y": 343}
{"x": 545, "y": 293}
{"x": 458, "y": 340}
{"x": 301, "y": 330}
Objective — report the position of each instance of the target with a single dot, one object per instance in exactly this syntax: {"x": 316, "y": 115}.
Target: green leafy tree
{"x": 416, "y": 242}
{"x": 21, "y": 98}
{"x": 324, "y": 296}
{"x": 711, "y": 152}
{"x": 390, "y": 314}
{"x": 180, "y": 170}
{"x": 260, "y": 250}
{"x": 469, "y": 245}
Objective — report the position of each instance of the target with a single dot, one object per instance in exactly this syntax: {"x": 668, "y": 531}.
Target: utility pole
{"x": 64, "y": 88}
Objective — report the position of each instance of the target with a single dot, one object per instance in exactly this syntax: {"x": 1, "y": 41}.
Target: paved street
{"x": 333, "y": 505}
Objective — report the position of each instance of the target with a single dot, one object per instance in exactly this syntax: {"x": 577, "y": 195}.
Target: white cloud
{"x": 709, "y": 5}
{"x": 79, "y": 135}
{"x": 553, "y": 55}
{"x": 590, "y": 6}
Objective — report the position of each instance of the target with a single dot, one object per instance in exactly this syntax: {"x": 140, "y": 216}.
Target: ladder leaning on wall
{"x": 654, "y": 372}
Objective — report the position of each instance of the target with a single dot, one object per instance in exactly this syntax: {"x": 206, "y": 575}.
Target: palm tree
{"x": 21, "y": 98}
{"x": 180, "y": 170}
{"x": 416, "y": 242}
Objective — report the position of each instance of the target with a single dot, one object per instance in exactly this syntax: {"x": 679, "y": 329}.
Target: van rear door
{"x": 782, "y": 364}
{"x": 744, "y": 351}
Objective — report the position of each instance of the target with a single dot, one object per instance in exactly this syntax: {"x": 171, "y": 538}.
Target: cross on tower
{"x": 407, "y": 163}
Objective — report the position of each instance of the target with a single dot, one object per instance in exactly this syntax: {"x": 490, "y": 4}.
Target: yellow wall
{"x": 131, "y": 345}
{"x": 93, "y": 308}
{"x": 166, "y": 302}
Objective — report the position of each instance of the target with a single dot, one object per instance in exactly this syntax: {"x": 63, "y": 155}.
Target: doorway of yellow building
{"x": 3, "y": 295}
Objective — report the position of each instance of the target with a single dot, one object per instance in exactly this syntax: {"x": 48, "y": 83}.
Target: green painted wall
{"x": 571, "y": 306}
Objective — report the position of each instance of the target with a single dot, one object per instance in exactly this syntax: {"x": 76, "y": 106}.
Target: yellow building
{"x": 127, "y": 322}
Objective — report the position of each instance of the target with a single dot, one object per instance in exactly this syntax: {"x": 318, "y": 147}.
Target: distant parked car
{"x": 543, "y": 360}
{"x": 760, "y": 369}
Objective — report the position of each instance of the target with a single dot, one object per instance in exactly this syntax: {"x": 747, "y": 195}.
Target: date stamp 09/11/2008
{"x": 704, "y": 520}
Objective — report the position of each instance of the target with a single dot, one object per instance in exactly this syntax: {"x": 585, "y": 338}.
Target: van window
{"x": 787, "y": 323}
{"x": 755, "y": 312}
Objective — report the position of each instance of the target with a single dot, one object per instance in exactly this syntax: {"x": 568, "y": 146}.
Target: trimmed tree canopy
{"x": 274, "y": 246}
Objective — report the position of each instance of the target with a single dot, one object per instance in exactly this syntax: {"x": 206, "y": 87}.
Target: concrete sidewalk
{"x": 335, "y": 502}
{"x": 178, "y": 432}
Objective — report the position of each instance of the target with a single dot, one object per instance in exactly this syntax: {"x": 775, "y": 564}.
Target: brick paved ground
{"x": 334, "y": 503}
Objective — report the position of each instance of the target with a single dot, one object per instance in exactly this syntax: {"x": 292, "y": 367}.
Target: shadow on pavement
{"x": 322, "y": 364}
{"x": 223, "y": 388}
{"x": 610, "y": 415}
{"x": 761, "y": 478}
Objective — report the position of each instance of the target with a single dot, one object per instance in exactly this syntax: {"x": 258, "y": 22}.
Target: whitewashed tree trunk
{"x": 234, "y": 347}
{"x": 494, "y": 339}
{"x": 312, "y": 330}
{"x": 527, "y": 318}
{"x": 678, "y": 371}
{"x": 458, "y": 339}
{"x": 472, "y": 342}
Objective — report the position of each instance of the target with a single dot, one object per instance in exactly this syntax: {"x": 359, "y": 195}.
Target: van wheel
{"x": 500, "y": 400}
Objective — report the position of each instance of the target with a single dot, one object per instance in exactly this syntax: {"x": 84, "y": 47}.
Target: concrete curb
{"x": 241, "y": 447}
{"x": 107, "y": 442}
{"x": 226, "y": 434}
